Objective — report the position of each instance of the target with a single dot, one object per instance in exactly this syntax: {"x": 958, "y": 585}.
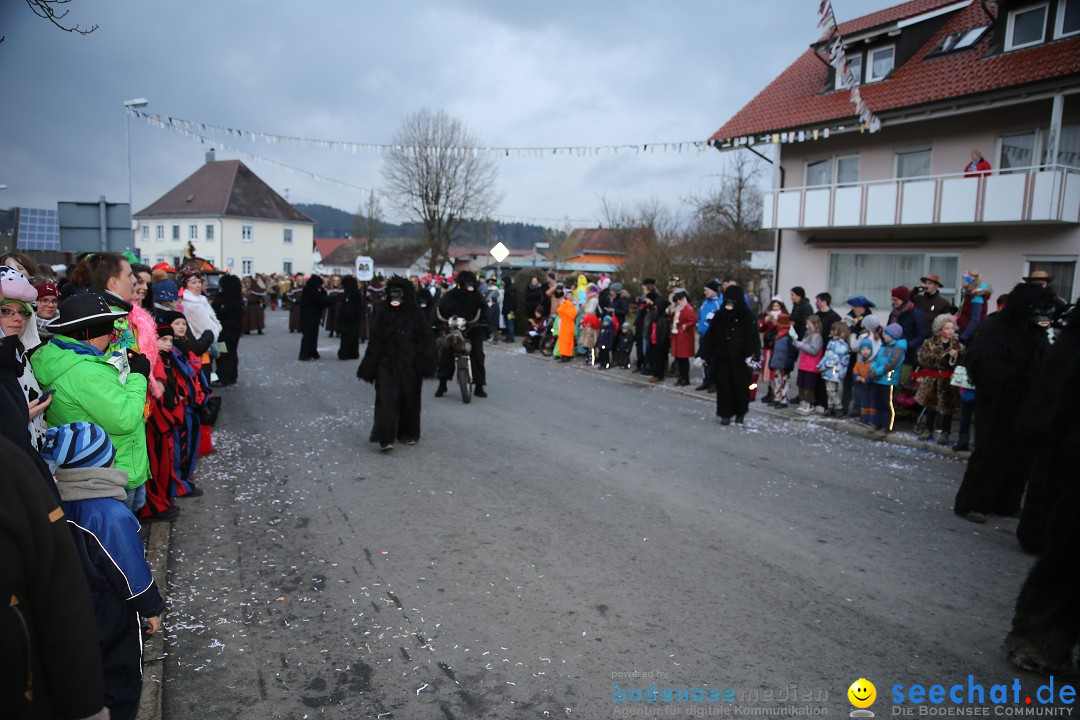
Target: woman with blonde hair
{"x": 938, "y": 357}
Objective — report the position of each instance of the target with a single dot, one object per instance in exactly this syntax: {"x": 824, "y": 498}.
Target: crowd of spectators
{"x": 107, "y": 375}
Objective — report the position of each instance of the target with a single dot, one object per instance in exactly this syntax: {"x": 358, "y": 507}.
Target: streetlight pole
{"x": 128, "y": 105}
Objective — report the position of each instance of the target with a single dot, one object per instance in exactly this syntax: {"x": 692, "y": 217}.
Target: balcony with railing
{"x": 1045, "y": 194}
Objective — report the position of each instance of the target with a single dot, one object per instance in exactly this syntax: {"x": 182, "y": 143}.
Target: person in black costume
{"x": 1046, "y": 624}
{"x": 312, "y": 303}
{"x": 350, "y": 312}
{"x": 730, "y": 346}
{"x": 400, "y": 354}
{"x": 464, "y": 302}
{"x": 1004, "y": 361}
{"x": 230, "y": 308}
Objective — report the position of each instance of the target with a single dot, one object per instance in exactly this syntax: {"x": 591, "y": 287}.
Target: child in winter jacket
{"x": 863, "y": 385}
{"x": 107, "y": 538}
{"x": 885, "y": 373}
{"x": 810, "y": 352}
{"x": 834, "y": 364}
{"x": 605, "y": 343}
{"x": 624, "y": 345}
{"x": 781, "y": 361}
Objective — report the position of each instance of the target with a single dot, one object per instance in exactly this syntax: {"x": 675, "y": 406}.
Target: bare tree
{"x": 47, "y": 9}
{"x": 368, "y": 223}
{"x": 434, "y": 175}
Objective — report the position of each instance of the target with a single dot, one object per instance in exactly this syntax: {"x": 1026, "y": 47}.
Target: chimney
{"x": 210, "y": 155}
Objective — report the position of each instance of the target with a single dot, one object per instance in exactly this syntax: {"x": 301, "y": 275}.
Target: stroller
{"x": 539, "y": 336}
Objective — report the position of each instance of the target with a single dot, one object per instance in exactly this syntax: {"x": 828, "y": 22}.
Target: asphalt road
{"x": 543, "y": 544}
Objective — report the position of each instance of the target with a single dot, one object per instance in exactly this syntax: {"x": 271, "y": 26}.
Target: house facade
{"x": 856, "y": 212}
{"x": 232, "y": 218}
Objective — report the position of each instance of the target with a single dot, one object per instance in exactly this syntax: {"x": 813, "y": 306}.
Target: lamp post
{"x": 129, "y": 104}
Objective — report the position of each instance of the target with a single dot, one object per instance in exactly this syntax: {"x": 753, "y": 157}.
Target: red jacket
{"x": 683, "y": 330}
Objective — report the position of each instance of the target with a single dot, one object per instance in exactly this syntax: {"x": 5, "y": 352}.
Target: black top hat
{"x": 82, "y": 311}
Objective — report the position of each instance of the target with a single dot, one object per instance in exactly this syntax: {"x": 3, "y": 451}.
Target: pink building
{"x": 858, "y": 213}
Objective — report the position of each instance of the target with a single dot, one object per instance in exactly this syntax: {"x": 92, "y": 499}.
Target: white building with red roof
{"x": 857, "y": 213}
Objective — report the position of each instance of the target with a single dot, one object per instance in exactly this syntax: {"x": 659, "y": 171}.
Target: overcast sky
{"x": 518, "y": 73}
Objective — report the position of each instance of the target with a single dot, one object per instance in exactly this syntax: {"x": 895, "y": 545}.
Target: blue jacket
{"x": 834, "y": 363}
{"x": 783, "y": 354}
{"x": 885, "y": 370}
{"x": 706, "y": 312}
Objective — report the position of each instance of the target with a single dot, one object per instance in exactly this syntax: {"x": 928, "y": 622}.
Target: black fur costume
{"x": 312, "y": 303}
{"x": 1046, "y": 625}
{"x": 465, "y": 303}
{"x": 732, "y": 337}
{"x": 1004, "y": 360}
{"x": 400, "y": 354}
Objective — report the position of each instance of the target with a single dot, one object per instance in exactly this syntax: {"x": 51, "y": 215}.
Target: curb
{"x": 841, "y": 424}
{"x": 157, "y": 535}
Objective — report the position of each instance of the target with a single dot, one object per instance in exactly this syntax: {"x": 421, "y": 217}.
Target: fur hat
{"x": 901, "y": 293}
{"x": 648, "y": 281}
{"x": 77, "y": 445}
{"x": 894, "y": 331}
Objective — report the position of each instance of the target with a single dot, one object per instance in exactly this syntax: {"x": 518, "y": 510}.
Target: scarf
{"x": 90, "y": 483}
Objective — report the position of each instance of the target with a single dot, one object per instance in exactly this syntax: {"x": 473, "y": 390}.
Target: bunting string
{"x": 839, "y": 60}
{"x": 358, "y": 148}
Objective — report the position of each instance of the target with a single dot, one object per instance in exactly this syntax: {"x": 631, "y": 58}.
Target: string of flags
{"x": 341, "y": 184}
{"x": 358, "y": 148}
{"x": 839, "y": 60}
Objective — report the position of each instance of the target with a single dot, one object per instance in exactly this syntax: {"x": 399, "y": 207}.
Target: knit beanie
{"x": 871, "y": 323}
{"x": 165, "y": 291}
{"x": 901, "y": 293}
{"x": 865, "y": 343}
{"x": 894, "y": 331}
{"x": 77, "y": 445}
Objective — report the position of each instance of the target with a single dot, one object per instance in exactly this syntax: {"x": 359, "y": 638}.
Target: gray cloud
{"x": 520, "y": 73}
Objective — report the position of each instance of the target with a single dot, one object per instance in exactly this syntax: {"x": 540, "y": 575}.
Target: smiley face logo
{"x": 862, "y": 693}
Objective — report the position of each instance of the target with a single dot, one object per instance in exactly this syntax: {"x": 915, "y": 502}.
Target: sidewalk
{"x": 897, "y": 437}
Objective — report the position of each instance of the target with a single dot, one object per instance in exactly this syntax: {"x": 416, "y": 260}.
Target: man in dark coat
{"x": 464, "y": 302}
{"x": 645, "y": 302}
{"x": 509, "y": 307}
{"x": 51, "y": 664}
{"x": 350, "y": 312}
{"x": 729, "y": 346}
{"x": 800, "y": 311}
{"x": 827, "y": 316}
{"x": 532, "y": 298}
{"x": 929, "y": 300}
{"x": 230, "y": 308}
{"x": 312, "y": 303}
{"x": 400, "y": 354}
{"x": 1046, "y": 625}
{"x": 1003, "y": 362}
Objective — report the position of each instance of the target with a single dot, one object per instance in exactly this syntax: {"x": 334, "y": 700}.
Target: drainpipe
{"x": 986, "y": 10}
{"x": 103, "y": 225}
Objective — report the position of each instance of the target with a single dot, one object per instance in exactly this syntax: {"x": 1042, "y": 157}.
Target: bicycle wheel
{"x": 465, "y": 382}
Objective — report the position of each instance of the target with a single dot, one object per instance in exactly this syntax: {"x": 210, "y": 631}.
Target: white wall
{"x": 267, "y": 250}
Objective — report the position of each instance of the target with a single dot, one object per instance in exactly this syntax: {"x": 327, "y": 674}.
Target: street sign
{"x": 499, "y": 252}
{"x": 365, "y": 269}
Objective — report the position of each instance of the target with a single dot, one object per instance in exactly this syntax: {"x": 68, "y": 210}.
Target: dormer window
{"x": 1068, "y": 18}
{"x": 855, "y": 63}
{"x": 1026, "y": 26}
{"x": 881, "y": 63}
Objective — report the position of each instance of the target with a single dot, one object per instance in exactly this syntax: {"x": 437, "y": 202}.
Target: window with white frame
{"x": 1068, "y": 151}
{"x": 286, "y": 236}
{"x": 160, "y": 232}
{"x": 145, "y": 232}
{"x": 246, "y": 264}
{"x": 209, "y": 231}
{"x": 176, "y": 233}
{"x": 819, "y": 172}
{"x": 855, "y": 63}
{"x": 1061, "y": 268}
{"x": 873, "y": 275}
{"x": 286, "y": 267}
{"x": 247, "y": 233}
{"x": 847, "y": 170}
{"x": 880, "y": 63}
{"x": 193, "y": 232}
{"x": 913, "y": 163}
{"x": 1068, "y": 18}
{"x": 1026, "y": 26}
{"x": 1017, "y": 151}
